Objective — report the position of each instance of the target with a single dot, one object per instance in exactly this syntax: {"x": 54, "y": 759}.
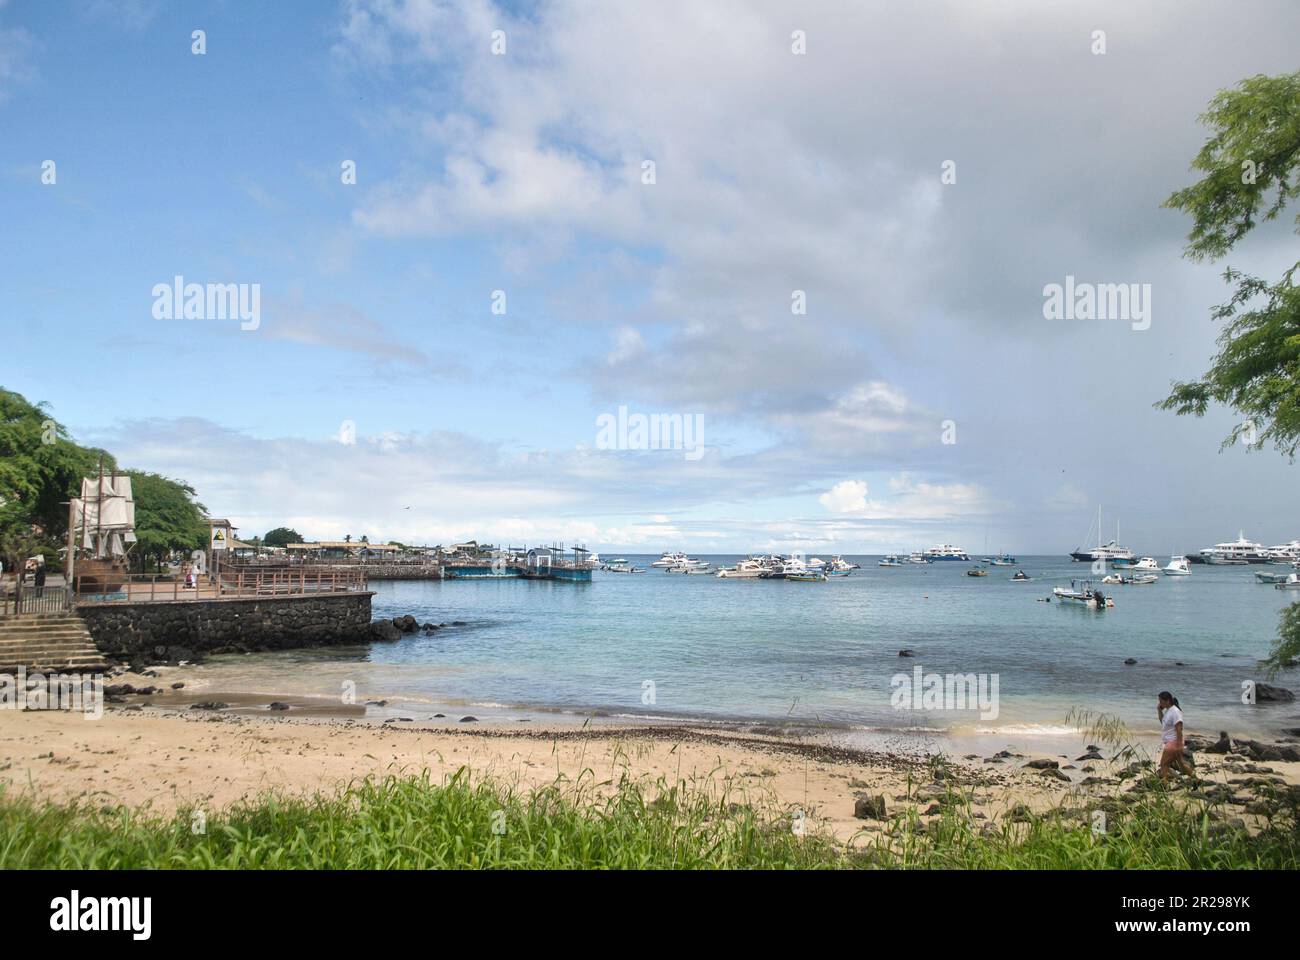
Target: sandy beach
{"x": 156, "y": 757}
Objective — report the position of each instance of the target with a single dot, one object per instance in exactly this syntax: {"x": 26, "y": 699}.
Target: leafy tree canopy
{"x": 1251, "y": 167}
{"x": 282, "y": 536}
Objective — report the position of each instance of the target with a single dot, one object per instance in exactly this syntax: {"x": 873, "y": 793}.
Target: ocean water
{"x": 657, "y": 644}
{"x": 823, "y": 655}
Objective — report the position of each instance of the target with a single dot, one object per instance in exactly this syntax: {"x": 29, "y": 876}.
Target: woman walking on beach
{"x": 1171, "y": 735}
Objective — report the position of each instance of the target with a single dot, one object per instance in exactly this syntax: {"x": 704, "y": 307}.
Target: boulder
{"x": 384, "y": 631}
{"x": 279, "y": 705}
{"x": 1043, "y": 764}
{"x": 1265, "y": 693}
{"x": 869, "y": 808}
{"x": 209, "y": 705}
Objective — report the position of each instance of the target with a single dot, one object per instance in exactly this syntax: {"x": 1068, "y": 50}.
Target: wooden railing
{"x": 28, "y": 599}
{"x": 262, "y": 580}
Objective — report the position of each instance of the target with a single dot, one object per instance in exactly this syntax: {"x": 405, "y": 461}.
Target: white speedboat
{"x": 1146, "y": 563}
{"x": 1292, "y": 582}
{"x": 839, "y": 563}
{"x": 916, "y": 556}
{"x": 623, "y": 567}
{"x": 670, "y": 559}
{"x": 1178, "y": 567}
{"x": 744, "y": 570}
{"x": 690, "y": 568}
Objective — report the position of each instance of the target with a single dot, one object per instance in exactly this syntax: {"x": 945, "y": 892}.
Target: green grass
{"x": 409, "y": 822}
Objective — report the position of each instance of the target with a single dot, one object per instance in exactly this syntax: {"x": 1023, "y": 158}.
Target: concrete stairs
{"x": 48, "y": 643}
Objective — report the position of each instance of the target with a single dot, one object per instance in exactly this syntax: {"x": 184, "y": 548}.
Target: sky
{"x": 819, "y": 233}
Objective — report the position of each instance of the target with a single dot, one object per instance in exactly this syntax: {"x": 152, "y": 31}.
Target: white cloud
{"x": 847, "y": 496}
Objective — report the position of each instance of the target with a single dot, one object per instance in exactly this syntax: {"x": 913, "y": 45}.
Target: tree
{"x": 1251, "y": 164}
{"x": 167, "y": 517}
{"x": 40, "y": 469}
{"x": 282, "y": 537}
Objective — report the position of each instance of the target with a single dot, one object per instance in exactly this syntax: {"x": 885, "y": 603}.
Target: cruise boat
{"x": 1109, "y": 551}
{"x": 1178, "y": 567}
{"x": 1236, "y": 553}
{"x": 945, "y": 551}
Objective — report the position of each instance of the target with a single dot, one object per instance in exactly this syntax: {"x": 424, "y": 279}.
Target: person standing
{"x": 39, "y": 577}
{"x": 1171, "y": 735}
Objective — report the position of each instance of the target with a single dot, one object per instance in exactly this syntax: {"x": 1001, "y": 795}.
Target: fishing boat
{"x": 806, "y": 576}
{"x": 893, "y": 560}
{"x": 1082, "y": 593}
{"x": 1006, "y": 560}
{"x": 1109, "y": 551}
{"x": 1178, "y": 567}
{"x": 101, "y": 532}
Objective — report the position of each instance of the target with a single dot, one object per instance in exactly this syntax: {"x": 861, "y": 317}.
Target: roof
{"x": 342, "y": 545}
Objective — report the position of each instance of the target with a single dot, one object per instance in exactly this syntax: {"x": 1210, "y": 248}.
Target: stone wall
{"x": 191, "y": 629}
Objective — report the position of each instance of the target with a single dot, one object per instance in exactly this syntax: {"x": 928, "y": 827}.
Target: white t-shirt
{"x": 1168, "y": 730}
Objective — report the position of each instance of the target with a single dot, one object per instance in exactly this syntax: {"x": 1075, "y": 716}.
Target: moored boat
{"x": 1177, "y": 567}
{"x": 1082, "y": 593}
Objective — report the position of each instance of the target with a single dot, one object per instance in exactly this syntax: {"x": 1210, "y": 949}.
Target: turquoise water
{"x": 825, "y": 653}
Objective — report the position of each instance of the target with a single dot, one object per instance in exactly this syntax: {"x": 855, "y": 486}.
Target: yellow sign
{"x": 218, "y": 538}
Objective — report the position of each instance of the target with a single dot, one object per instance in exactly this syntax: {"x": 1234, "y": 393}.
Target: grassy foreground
{"x": 409, "y": 822}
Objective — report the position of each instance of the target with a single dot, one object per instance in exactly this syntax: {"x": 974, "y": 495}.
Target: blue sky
{"x": 522, "y": 172}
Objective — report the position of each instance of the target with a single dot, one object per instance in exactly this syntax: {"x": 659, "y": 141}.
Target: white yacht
{"x": 1239, "y": 551}
{"x": 840, "y": 566}
{"x": 945, "y": 551}
{"x": 1146, "y": 563}
{"x": 1284, "y": 553}
{"x": 1178, "y": 567}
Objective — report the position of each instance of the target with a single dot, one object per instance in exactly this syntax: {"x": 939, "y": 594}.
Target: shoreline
{"x": 160, "y": 759}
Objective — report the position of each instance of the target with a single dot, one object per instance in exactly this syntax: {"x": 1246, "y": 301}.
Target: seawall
{"x": 191, "y": 629}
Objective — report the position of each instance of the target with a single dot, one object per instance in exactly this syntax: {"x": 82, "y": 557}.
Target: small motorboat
{"x": 1141, "y": 580}
{"x": 1006, "y": 560}
{"x": 1021, "y": 577}
{"x": 1292, "y": 582}
{"x": 624, "y": 567}
{"x": 1265, "y": 576}
{"x": 977, "y": 572}
{"x": 1081, "y": 593}
{"x": 893, "y": 560}
{"x": 807, "y": 576}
